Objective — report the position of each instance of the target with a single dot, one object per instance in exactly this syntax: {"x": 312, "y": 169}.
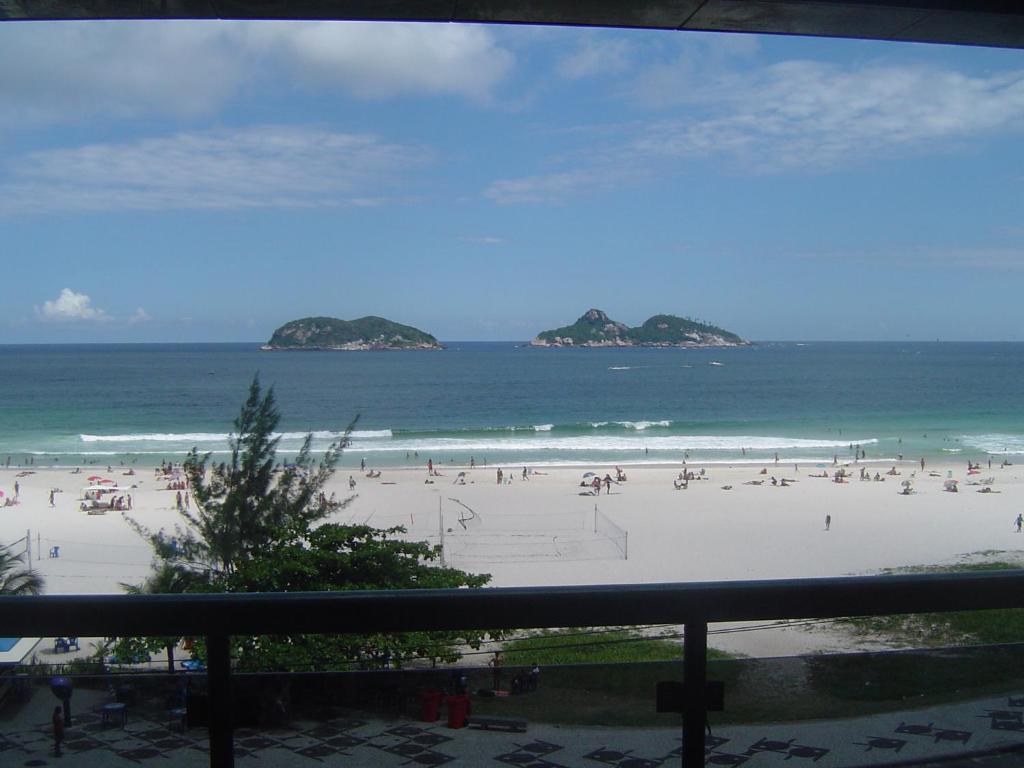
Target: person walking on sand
{"x": 828, "y": 522}
{"x": 430, "y": 466}
{"x": 499, "y": 475}
{"x": 58, "y": 731}
{"x": 17, "y": 489}
{"x": 51, "y": 497}
{"x": 922, "y": 463}
{"x": 1019, "y": 521}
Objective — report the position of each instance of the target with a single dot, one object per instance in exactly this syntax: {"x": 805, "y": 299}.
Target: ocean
{"x": 507, "y": 404}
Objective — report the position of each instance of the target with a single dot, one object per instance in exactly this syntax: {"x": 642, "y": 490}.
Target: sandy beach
{"x": 539, "y": 530}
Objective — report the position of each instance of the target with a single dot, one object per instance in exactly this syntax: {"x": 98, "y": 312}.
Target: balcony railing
{"x": 692, "y": 605}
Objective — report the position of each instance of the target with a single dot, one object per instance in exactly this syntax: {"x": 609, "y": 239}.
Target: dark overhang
{"x": 981, "y": 22}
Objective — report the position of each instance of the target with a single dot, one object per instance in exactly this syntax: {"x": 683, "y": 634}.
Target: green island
{"x": 595, "y": 329}
{"x": 365, "y": 333}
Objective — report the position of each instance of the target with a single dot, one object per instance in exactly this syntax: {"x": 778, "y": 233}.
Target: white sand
{"x": 699, "y": 534}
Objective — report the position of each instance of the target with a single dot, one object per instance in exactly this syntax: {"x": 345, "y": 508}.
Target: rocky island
{"x": 596, "y": 329}
{"x": 366, "y": 333}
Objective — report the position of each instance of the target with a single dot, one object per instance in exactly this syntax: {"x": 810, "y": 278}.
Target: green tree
{"x": 260, "y": 527}
{"x": 250, "y": 500}
{"x": 15, "y": 579}
{"x": 335, "y": 557}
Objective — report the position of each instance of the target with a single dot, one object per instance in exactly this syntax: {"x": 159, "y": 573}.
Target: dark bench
{"x": 502, "y": 723}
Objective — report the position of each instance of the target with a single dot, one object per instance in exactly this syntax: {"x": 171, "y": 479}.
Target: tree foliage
{"x": 15, "y": 579}
{"x": 262, "y": 527}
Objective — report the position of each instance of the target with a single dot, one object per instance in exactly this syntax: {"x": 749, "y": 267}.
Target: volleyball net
{"x": 469, "y": 534}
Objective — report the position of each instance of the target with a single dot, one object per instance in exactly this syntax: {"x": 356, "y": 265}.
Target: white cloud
{"x": 374, "y": 60}
{"x": 69, "y": 307}
{"x": 140, "y": 316}
{"x": 70, "y": 72}
{"x": 260, "y": 167}
{"x": 795, "y": 116}
{"x": 805, "y": 114}
{"x": 115, "y": 69}
{"x": 545, "y": 188}
{"x": 596, "y": 56}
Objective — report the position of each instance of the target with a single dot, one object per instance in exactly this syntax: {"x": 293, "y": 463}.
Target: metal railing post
{"x": 218, "y": 675}
{"x": 695, "y": 676}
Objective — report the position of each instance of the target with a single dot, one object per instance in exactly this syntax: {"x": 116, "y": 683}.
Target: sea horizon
{"x": 504, "y": 403}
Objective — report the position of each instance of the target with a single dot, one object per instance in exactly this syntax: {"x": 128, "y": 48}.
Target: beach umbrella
{"x": 94, "y": 477}
{"x": 108, "y": 482}
{"x": 588, "y": 474}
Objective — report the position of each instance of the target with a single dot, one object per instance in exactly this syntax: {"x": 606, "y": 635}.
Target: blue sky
{"x": 211, "y": 181}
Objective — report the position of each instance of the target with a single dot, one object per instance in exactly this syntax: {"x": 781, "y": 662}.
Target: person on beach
{"x": 495, "y": 665}
{"x": 362, "y": 464}
{"x": 828, "y": 522}
{"x": 351, "y": 483}
{"x": 51, "y": 497}
{"x": 608, "y": 484}
{"x": 922, "y": 463}
{"x": 499, "y": 475}
{"x": 472, "y": 462}
{"x": 430, "y": 466}
{"x": 58, "y": 731}
{"x": 1019, "y": 521}
{"x": 17, "y": 489}
{"x": 524, "y": 474}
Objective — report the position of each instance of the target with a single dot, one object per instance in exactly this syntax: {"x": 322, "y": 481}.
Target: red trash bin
{"x": 458, "y": 711}
{"x": 430, "y": 706}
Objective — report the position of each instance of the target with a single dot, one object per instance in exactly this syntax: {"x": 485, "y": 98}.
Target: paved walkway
{"x": 962, "y": 729}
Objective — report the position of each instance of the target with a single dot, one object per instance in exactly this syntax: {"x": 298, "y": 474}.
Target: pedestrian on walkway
{"x": 58, "y": 730}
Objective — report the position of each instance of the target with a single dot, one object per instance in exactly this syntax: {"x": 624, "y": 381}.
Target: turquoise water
{"x": 508, "y": 404}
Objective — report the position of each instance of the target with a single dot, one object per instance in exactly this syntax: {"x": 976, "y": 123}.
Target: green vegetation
{"x": 941, "y": 629}
{"x": 365, "y": 333}
{"x": 594, "y": 646}
{"x": 669, "y": 329}
{"x": 15, "y": 579}
{"x": 595, "y": 328}
{"x": 259, "y": 528}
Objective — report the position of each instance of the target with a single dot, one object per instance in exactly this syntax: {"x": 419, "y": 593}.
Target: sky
{"x": 210, "y": 181}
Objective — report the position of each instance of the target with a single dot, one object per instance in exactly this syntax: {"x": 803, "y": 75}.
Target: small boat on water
{"x": 715, "y": 362}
